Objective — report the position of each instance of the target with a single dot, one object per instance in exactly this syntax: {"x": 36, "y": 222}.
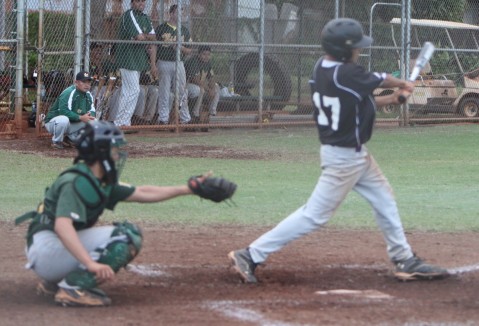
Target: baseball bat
{"x": 103, "y": 104}
{"x": 98, "y": 90}
{"x": 421, "y": 61}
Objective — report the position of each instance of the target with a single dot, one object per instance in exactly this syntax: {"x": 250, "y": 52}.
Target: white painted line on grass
{"x": 358, "y": 266}
{"x": 464, "y": 269}
{"x": 421, "y": 323}
{"x": 233, "y": 309}
{"x": 159, "y": 270}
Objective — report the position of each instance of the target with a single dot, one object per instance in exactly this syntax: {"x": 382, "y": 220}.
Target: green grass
{"x": 433, "y": 170}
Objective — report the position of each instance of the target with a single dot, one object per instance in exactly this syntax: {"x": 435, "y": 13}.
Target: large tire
{"x": 469, "y": 107}
{"x": 273, "y": 67}
{"x": 390, "y": 108}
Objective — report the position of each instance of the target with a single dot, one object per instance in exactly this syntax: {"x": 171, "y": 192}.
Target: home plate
{"x": 368, "y": 294}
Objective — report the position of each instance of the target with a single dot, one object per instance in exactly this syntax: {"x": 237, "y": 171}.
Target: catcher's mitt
{"x": 212, "y": 188}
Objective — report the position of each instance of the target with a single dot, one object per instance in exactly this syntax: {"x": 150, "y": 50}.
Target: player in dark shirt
{"x": 344, "y": 113}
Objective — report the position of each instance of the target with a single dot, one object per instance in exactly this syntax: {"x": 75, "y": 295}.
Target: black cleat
{"x": 243, "y": 265}
{"x": 415, "y": 269}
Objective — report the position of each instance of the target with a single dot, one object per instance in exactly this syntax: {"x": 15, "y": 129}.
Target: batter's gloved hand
{"x": 213, "y": 188}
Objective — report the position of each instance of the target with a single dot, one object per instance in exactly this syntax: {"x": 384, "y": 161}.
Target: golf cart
{"x": 442, "y": 93}
{"x": 467, "y": 104}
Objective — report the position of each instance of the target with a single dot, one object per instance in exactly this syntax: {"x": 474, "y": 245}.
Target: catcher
{"x": 69, "y": 254}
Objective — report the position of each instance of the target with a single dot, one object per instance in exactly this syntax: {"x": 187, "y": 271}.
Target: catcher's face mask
{"x": 118, "y": 158}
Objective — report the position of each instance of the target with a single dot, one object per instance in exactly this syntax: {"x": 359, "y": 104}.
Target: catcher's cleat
{"x": 82, "y": 298}
{"x": 415, "y": 269}
{"x": 46, "y": 289}
{"x": 243, "y": 265}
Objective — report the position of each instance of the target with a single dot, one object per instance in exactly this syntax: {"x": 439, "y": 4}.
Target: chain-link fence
{"x": 8, "y": 38}
{"x": 238, "y": 63}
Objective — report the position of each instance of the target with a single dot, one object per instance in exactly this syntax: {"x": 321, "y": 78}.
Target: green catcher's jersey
{"x": 79, "y": 195}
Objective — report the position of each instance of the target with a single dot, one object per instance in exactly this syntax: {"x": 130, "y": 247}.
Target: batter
{"x": 344, "y": 114}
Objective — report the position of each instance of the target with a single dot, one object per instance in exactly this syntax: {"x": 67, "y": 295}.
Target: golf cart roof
{"x": 437, "y": 23}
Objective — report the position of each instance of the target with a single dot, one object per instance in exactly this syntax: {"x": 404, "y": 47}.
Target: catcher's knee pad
{"x": 133, "y": 234}
{"x": 116, "y": 254}
{"x": 125, "y": 243}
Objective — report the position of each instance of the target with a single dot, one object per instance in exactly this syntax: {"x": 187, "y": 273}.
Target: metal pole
{"x": 407, "y": 39}
{"x": 300, "y": 56}
{"x": 40, "y": 52}
{"x": 78, "y": 36}
{"x": 336, "y": 9}
{"x": 161, "y": 19}
{"x": 19, "y": 67}
{"x": 2, "y": 32}
{"x": 25, "y": 37}
{"x": 178, "y": 59}
{"x": 87, "y": 34}
{"x": 407, "y": 52}
{"x": 261, "y": 61}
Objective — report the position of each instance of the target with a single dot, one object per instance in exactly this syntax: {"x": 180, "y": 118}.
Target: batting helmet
{"x": 94, "y": 144}
{"x": 340, "y": 36}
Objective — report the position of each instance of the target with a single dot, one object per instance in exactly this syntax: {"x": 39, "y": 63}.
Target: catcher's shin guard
{"x": 125, "y": 243}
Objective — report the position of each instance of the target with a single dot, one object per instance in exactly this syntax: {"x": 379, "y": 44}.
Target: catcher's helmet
{"x": 339, "y": 36}
{"x": 95, "y": 143}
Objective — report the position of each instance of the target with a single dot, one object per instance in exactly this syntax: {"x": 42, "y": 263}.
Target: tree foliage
{"x": 452, "y": 10}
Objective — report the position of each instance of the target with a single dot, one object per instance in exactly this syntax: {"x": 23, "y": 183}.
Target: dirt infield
{"x": 182, "y": 278}
{"x": 182, "y": 275}
{"x": 41, "y": 146}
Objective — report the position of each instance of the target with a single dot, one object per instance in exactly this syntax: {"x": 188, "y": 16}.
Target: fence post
{"x": 406, "y": 22}
{"x": 19, "y": 67}
{"x": 261, "y": 63}
{"x": 86, "y": 63}
{"x": 78, "y": 36}
{"x": 40, "y": 52}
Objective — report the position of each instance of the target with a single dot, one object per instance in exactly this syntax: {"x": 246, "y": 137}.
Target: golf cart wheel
{"x": 389, "y": 109}
{"x": 469, "y": 107}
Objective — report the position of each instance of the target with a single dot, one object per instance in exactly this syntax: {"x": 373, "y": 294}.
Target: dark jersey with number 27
{"x": 344, "y": 106}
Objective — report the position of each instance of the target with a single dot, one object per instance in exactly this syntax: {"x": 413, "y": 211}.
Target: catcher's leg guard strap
{"x": 124, "y": 245}
{"x": 133, "y": 233}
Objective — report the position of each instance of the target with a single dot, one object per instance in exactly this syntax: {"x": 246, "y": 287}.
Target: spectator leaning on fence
{"x": 70, "y": 111}
{"x": 167, "y": 32}
{"x": 132, "y": 59}
{"x": 201, "y": 82}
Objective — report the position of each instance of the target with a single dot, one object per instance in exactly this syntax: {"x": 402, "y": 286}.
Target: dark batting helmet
{"x": 95, "y": 143}
{"x": 340, "y": 36}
